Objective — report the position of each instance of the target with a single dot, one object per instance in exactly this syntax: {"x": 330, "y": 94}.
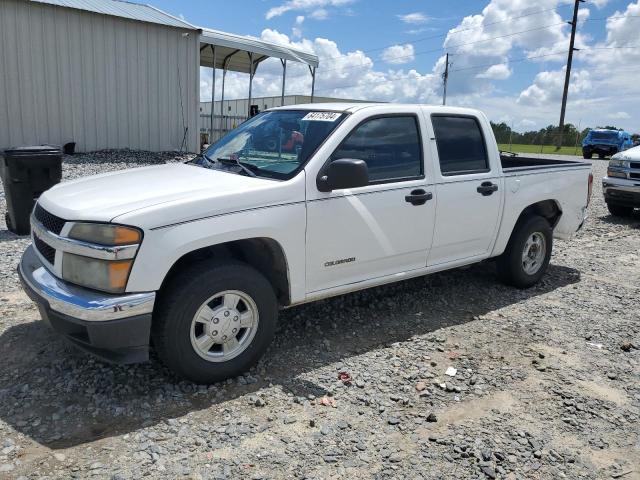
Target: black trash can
{"x": 26, "y": 173}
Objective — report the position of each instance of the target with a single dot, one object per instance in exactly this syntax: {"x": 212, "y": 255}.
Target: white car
{"x": 621, "y": 186}
{"x": 297, "y": 204}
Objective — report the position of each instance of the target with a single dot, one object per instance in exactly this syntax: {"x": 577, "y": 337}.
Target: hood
{"x": 632, "y": 154}
{"x": 110, "y": 195}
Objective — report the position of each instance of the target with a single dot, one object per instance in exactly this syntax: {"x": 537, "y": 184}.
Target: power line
{"x": 522, "y": 59}
{"x": 439, "y": 49}
{"x": 610, "y": 18}
{"x": 455, "y": 32}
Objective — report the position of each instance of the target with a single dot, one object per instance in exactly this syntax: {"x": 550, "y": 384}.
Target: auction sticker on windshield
{"x": 321, "y": 116}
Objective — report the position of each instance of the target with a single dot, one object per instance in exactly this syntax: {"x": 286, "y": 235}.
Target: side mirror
{"x": 344, "y": 173}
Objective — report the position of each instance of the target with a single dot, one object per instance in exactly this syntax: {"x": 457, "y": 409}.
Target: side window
{"x": 391, "y": 147}
{"x": 461, "y": 146}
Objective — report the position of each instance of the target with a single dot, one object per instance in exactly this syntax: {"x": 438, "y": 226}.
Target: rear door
{"x": 384, "y": 228}
{"x": 469, "y": 190}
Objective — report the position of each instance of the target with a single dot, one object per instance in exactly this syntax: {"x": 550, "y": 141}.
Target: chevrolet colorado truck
{"x": 621, "y": 186}
{"x": 196, "y": 259}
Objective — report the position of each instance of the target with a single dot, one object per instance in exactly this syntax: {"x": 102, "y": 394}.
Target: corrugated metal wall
{"x": 101, "y": 81}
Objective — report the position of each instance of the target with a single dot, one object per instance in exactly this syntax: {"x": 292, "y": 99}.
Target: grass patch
{"x": 537, "y": 149}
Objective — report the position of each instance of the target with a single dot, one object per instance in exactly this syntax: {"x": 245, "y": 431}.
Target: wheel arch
{"x": 262, "y": 253}
{"x": 548, "y": 209}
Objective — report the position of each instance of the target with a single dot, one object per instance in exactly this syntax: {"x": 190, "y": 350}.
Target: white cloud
{"x": 496, "y": 72}
{"x": 547, "y": 87}
{"x": 296, "y": 30}
{"x": 619, "y": 116}
{"x": 599, "y": 3}
{"x": 320, "y": 14}
{"x": 525, "y": 123}
{"x": 303, "y": 5}
{"x": 398, "y": 54}
{"x": 583, "y": 15}
{"x": 415, "y": 18}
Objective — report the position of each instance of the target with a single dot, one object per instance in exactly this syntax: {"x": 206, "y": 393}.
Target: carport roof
{"x": 233, "y": 50}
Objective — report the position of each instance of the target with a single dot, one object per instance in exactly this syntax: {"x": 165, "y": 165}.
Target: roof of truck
{"x": 353, "y": 107}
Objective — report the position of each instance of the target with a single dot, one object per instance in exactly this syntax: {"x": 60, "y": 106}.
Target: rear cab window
{"x": 462, "y": 149}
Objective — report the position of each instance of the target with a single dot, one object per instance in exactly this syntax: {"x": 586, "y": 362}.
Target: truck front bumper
{"x": 619, "y": 191}
{"x": 113, "y": 327}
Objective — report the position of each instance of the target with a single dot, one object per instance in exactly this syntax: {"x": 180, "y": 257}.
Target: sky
{"x": 507, "y": 57}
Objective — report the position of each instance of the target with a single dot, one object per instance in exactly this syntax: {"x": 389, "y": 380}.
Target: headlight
{"x": 616, "y": 168}
{"x": 108, "y": 275}
{"x": 617, "y": 163}
{"x": 105, "y": 234}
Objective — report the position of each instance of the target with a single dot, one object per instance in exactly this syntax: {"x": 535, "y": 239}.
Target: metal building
{"x": 111, "y": 74}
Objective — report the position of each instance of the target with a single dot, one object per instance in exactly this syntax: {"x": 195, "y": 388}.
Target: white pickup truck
{"x": 295, "y": 205}
{"x": 621, "y": 186}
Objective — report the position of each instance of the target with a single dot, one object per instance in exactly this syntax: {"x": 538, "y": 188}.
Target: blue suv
{"x": 605, "y": 143}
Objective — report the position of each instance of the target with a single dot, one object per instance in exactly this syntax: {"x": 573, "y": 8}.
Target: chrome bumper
{"x": 76, "y": 302}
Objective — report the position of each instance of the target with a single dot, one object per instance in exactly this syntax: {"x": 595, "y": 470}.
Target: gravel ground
{"x": 547, "y": 381}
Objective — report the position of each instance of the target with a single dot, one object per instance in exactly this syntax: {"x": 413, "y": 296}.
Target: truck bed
{"x": 518, "y": 163}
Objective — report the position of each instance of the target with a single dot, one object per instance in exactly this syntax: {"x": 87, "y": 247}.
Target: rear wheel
{"x": 601, "y": 156}
{"x": 619, "y": 210}
{"x": 528, "y": 253}
{"x": 214, "y": 321}
{"x": 587, "y": 155}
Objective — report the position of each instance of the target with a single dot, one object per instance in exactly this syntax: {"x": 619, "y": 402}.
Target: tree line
{"x": 546, "y": 136}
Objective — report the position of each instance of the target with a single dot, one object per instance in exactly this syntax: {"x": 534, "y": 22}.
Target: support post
{"x": 313, "y": 81}
{"x": 567, "y": 77}
{"x": 213, "y": 94}
{"x": 224, "y": 76}
{"x": 284, "y": 75}
{"x": 250, "y": 82}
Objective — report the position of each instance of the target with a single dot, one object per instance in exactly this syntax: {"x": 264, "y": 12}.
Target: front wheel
{"x": 619, "y": 210}
{"x": 587, "y": 155}
{"x": 214, "y": 321}
{"x": 528, "y": 253}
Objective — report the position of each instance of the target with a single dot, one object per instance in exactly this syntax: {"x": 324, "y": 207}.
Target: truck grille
{"x": 635, "y": 165}
{"x": 48, "y": 220}
{"x": 634, "y": 175}
{"x": 49, "y": 253}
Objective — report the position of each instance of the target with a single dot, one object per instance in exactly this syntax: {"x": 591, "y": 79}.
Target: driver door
{"x": 364, "y": 233}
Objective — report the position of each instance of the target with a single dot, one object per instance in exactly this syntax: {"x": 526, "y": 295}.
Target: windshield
{"x": 604, "y": 135}
{"x": 274, "y": 144}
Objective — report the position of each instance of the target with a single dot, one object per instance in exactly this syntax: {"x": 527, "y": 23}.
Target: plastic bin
{"x": 26, "y": 173}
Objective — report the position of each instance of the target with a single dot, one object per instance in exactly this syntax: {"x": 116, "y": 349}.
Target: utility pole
{"x": 567, "y": 78}
{"x": 445, "y": 78}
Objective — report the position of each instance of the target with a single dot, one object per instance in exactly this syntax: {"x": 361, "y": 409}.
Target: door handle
{"x": 418, "y": 197}
{"x": 487, "y": 188}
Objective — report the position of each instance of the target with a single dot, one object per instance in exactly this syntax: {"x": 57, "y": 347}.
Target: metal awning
{"x": 233, "y": 50}
{"x": 229, "y": 52}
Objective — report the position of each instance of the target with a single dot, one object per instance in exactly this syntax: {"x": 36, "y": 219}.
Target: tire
{"x": 587, "y": 155}
{"x": 601, "y": 156}
{"x": 7, "y": 219}
{"x": 511, "y": 265}
{"x": 175, "y": 329}
{"x": 619, "y": 210}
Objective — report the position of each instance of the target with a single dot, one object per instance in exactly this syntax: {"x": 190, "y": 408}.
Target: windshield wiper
{"x": 243, "y": 166}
